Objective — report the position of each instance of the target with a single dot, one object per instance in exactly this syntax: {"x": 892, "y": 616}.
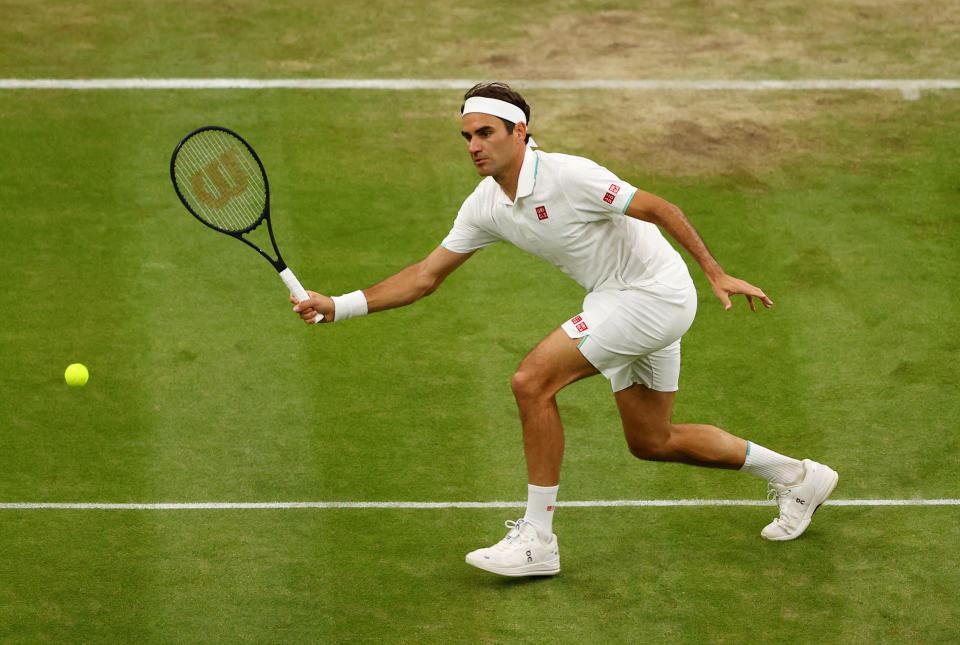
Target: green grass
{"x": 670, "y": 575}
{"x": 436, "y": 39}
{"x": 205, "y": 387}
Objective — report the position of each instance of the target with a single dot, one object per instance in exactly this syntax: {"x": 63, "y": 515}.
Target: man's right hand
{"x": 315, "y": 304}
{"x": 725, "y": 285}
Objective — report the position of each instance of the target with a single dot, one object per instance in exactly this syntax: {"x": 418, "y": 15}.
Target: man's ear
{"x": 521, "y": 129}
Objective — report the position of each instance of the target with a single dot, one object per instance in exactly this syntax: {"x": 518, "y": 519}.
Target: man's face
{"x": 493, "y": 150}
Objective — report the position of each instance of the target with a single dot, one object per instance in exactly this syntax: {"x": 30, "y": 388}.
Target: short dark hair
{"x": 502, "y": 91}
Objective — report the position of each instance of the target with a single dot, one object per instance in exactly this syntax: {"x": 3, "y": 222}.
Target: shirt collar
{"x": 527, "y": 178}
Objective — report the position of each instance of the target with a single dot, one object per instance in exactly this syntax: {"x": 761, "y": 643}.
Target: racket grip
{"x": 296, "y": 288}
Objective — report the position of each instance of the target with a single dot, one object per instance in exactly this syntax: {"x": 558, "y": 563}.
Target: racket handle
{"x": 296, "y": 288}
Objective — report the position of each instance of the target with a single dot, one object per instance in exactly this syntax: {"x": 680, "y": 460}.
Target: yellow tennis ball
{"x": 76, "y": 375}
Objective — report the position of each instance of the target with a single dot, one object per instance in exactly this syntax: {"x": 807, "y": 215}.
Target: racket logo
{"x": 227, "y": 190}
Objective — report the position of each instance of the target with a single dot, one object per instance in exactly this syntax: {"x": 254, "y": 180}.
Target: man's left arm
{"x": 656, "y": 210}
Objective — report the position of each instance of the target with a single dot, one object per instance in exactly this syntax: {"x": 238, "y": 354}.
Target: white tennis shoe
{"x": 798, "y": 502}
{"x": 520, "y": 553}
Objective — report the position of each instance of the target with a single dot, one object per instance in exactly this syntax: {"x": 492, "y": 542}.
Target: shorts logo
{"x": 549, "y": 508}
{"x": 541, "y": 213}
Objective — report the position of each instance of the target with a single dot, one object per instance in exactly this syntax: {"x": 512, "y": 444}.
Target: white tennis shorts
{"x": 633, "y": 336}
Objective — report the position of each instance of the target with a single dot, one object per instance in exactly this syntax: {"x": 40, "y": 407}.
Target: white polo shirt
{"x": 569, "y": 211}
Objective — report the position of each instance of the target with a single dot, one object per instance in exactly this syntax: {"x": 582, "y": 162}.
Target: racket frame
{"x": 278, "y": 264}
{"x": 289, "y": 279}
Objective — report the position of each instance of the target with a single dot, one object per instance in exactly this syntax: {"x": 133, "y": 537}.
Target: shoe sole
{"x": 548, "y": 568}
{"x": 820, "y": 496}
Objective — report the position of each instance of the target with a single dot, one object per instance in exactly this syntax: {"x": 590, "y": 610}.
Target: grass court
{"x": 205, "y": 387}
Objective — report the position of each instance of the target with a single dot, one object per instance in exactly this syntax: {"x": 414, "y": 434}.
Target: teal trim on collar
{"x": 526, "y": 179}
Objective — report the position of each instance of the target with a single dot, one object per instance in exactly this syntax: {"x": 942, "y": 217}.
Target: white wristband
{"x": 349, "y": 305}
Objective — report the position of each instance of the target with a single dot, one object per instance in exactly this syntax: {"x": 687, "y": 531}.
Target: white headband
{"x": 496, "y": 107}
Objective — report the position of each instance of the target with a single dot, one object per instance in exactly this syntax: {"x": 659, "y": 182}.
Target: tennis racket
{"x": 221, "y": 181}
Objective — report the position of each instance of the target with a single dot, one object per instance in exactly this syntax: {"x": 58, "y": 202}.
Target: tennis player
{"x": 606, "y": 235}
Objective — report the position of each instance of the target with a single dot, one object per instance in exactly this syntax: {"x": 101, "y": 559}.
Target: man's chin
{"x": 483, "y": 168}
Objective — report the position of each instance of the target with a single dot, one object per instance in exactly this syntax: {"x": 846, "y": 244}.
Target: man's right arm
{"x": 651, "y": 208}
{"x": 402, "y": 288}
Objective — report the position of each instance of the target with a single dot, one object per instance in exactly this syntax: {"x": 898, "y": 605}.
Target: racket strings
{"x": 221, "y": 180}
{"x": 213, "y": 157}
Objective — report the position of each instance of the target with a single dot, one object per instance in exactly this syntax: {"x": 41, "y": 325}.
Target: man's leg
{"x": 800, "y": 487}
{"x": 551, "y": 366}
{"x": 650, "y": 434}
{"x": 530, "y": 548}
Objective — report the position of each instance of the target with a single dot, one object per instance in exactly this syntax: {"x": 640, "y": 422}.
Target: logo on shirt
{"x": 611, "y": 193}
{"x": 579, "y": 322}
{"x": 542, "y": 213}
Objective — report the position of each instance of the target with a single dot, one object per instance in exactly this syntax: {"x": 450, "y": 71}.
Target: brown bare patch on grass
{"x": 689, "y": 134}
{"x": 730, "y": 39}
{"x": 727, "y": 133}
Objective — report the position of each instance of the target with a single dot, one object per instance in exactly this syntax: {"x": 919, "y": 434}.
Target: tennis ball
{"x": 76, "y": 375}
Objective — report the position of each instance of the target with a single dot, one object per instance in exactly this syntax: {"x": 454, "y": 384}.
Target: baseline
{"x": 85, "y": 506}
{"x": 909, "y": 88}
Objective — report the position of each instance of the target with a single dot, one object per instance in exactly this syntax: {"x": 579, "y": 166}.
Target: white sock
{"x": 771, "y": 465}
{"x": 540, "y": 503}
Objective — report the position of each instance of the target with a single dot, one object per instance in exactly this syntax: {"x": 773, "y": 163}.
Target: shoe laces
{"x": 512, "y": 534}
{"x": 782, "y": 495}
{"x": 774, "y": 493}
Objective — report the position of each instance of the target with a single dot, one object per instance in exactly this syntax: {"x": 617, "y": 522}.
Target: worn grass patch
{"x": 434, "y": 39}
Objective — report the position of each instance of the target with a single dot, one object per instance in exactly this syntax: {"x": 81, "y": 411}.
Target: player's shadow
{"x": 493, "y": 581}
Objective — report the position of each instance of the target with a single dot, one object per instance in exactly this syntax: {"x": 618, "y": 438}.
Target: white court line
{"x": 83, "y": 506}
{"x": 909, "y": 88}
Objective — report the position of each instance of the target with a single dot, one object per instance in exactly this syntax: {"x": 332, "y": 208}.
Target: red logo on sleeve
{"x": 609, "y": 197}
{"x": 541, "y": 213}
{"x": 582, "y": 326}
{"x": 614, "y": 189}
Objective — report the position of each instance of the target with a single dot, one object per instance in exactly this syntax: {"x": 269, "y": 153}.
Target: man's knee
{"x": 649, "y": 441}
{"x": 528, "y": 384}
{"x": 549, "y": 367}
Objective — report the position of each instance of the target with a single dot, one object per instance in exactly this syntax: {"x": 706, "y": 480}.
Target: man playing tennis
{"x": 605, "y": 234}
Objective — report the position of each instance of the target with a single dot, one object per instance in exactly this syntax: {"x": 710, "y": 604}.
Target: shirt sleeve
{"x": 467, "y": 235}
{"x": 594, "y": 192}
